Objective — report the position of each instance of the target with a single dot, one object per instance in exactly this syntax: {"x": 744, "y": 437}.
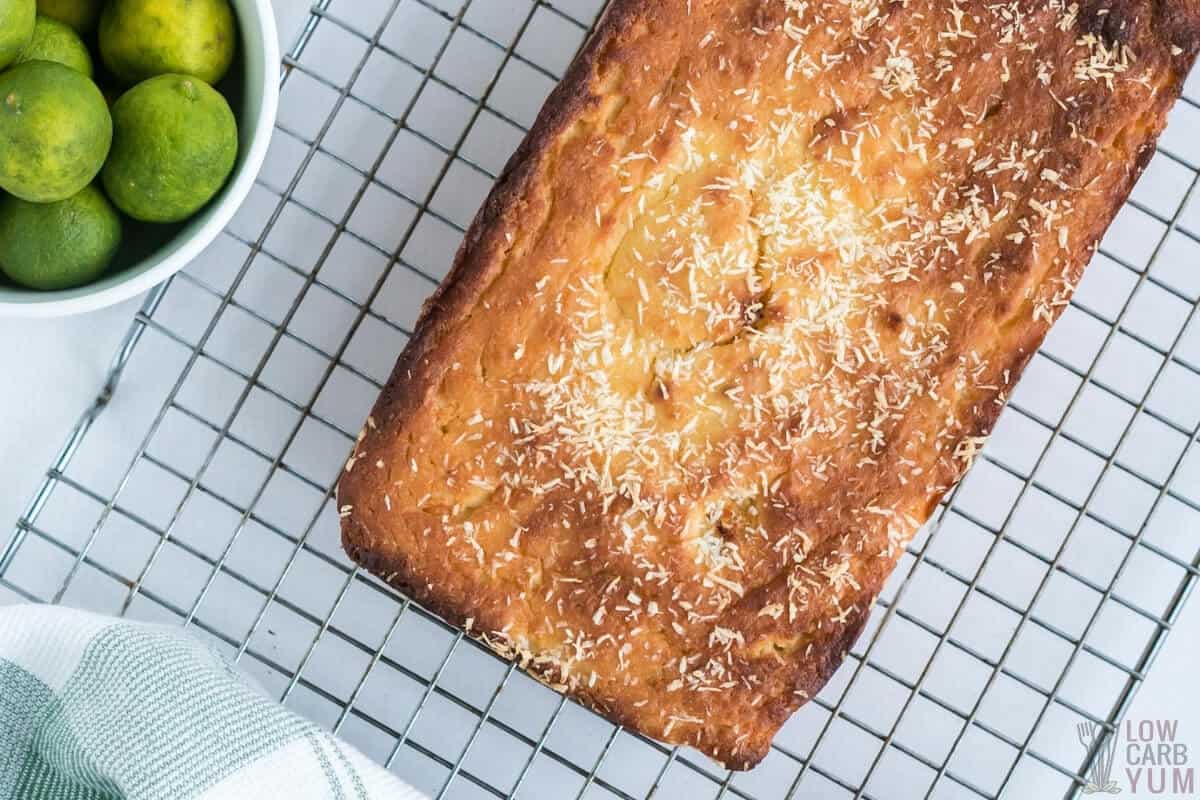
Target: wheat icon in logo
{"x": 1099, "y": 773}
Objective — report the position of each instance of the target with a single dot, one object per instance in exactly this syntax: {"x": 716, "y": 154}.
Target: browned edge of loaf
{"x": 481, "y": 258}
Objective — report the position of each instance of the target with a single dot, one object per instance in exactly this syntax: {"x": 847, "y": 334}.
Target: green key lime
{"x": 16, "y": 28}
{"x": 55, "y": 131}
{"x": 143, "y": 38}
{"x": 81, "y": 15}
{"x": 54, "y": 41}
{"x": 174, "y": 144}
{"x": 58, "y": 245}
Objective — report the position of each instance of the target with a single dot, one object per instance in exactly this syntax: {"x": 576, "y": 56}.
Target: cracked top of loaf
{"x": 741, "y": 309}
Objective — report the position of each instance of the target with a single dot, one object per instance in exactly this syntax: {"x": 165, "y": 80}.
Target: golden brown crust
{"x": 736, "y": 315}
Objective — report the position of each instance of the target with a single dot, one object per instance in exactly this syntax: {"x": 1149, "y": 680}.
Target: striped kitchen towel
{"x": 93, "y": 708}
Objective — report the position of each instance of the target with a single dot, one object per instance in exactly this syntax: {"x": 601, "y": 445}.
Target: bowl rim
{"x": 80, "y": 300}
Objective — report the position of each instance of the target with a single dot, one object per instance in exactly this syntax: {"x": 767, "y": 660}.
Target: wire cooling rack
{"x": 201, "y": 492}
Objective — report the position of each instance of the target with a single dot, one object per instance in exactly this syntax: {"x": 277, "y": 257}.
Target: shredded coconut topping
{"x": 776, "y": 338}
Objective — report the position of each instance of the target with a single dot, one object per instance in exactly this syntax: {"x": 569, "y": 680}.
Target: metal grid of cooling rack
{"x": 200, "y": 493}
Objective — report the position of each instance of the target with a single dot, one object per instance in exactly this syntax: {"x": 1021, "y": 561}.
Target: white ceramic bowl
{"x": 157, "y": 253}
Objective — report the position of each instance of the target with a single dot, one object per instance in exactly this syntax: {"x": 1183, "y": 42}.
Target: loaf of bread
{"x": 740, "y": 310}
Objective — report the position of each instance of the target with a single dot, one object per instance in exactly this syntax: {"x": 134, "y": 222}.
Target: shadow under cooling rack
{"x": 197, "y": 490}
